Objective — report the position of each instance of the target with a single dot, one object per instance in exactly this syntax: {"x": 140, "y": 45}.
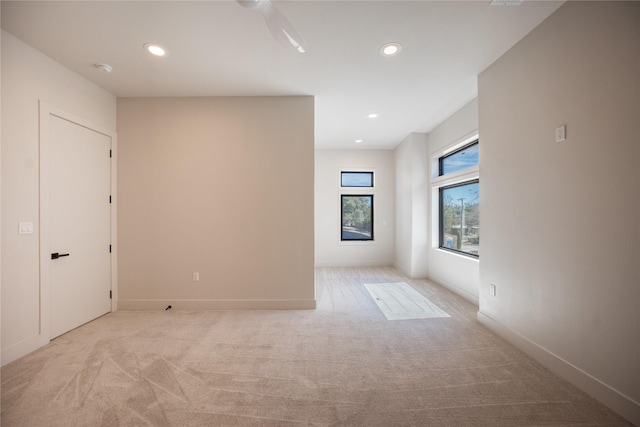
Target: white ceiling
{"x": 219, "y": 48}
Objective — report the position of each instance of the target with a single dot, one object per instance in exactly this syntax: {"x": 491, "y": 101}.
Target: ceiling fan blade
{"x": 280, "y": 28}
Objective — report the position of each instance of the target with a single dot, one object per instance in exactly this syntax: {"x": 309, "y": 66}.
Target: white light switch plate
{"x": 25, "y": 228}
{"x": 561, "y": 133}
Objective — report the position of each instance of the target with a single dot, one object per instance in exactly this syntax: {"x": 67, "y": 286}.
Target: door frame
{"x": 45, "y": 113}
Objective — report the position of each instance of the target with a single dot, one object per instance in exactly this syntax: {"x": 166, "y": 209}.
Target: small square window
{"x": 462, "y": 158}
{"x": 356, "y": 217}
{"x": 356, "y": 179}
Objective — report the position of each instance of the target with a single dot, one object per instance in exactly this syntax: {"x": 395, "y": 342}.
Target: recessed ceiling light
{"x": 155, "y": 49}
{"x": 358, "y": 141}
{"x": 105, "y": 68}
{"x": 390, "y": 49}
{"x": 372, "y": 115}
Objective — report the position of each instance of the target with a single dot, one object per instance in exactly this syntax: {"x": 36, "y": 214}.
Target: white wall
{"x": 458, "y": 273}
{"x": 222, "y": 186}
{"x": 416, "y": 244}
{"x": 330, "y": 251}
{"x": 561, "y": 221}
{"x": 412, "y": 206}
{"x": 27, "y": 77}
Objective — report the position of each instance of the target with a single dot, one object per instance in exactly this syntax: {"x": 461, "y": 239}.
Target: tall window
{"x": 356, "y": 206}
{"x": 357, "y": 216}
{"x": 460, "y": 218}
{"x": 459, "y": 199}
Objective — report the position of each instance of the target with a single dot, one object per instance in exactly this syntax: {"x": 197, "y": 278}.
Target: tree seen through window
{"x": 357, "y": 217}
{"x": 460, "y": 217}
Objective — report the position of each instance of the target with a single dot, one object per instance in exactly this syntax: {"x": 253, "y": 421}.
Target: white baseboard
{"x": 473, "y": 299}
{"x": 364, "y": 263}
{"x": 617, "y": 401}
{"x": 24, "y": 347}
{"x": 402, "y": 268}
{"x": 182, "y": 304}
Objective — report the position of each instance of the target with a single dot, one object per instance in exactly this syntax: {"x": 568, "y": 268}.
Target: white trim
{"x": 435, "y": 156}
{"x": 358, "y": 242}
{"x": 45, "y": 112}
{"x": 402, "y": 269}
{"x": 606, "y": 394}
{"x": 461, "y": 142}
{"x": 217, "y": 304}
{"x": 26, "y": 346}
{"x": 374, "y": 226}
{"x": 361, "y": 263}
{"x": 473, "y": 299}
{"x": 373, "y": 176}
{"x": 468, "y": 174}
{"x": 114, "y": 221}
{"x": 460, "y": 255}
{"x": 45, "y": 304}
{"x": 356, "y": 191}
{"x": 436, "y": 182}
{"x": 374, "y": 208}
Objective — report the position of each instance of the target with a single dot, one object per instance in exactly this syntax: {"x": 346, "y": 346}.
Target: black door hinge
{"x": 110, "y": 294}
{"x": 109, "y": 199}
{"x": 110, "y": 153}
{"x": 109, "y": 248}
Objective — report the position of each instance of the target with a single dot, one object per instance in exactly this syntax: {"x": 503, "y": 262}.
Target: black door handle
{"x": 57, "y": 255}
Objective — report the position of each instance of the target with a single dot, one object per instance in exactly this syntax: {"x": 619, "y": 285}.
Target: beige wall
{"x": 561, "y": 221}
{"x": 0, "y": 198}
{"x": 222, "y": 187}
{"x": 27, "y": 77}
{"x": 330, "y": 251}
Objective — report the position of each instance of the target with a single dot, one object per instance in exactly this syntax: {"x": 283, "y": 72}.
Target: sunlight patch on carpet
{"x": 400, "y": 301}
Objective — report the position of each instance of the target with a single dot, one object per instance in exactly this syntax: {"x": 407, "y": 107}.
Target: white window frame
{"x": 356, "y": 191}
{"x": 438, "y": 182}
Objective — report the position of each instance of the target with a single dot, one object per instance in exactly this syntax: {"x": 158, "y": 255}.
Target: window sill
{"x": 455, "y": 177}
{"x": 356, "y": 242}
{"x": 457, "y": 255}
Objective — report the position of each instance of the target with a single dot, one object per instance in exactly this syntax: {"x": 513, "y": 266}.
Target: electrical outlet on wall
{"x": 492, "y": 290}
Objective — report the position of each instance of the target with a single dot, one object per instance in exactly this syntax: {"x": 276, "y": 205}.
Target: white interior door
{"x": 79, "y": 224}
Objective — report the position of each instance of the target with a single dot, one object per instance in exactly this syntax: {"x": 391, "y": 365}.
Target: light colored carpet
{"x": 343, "y": 364}
{"x": 399, "y": 301}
